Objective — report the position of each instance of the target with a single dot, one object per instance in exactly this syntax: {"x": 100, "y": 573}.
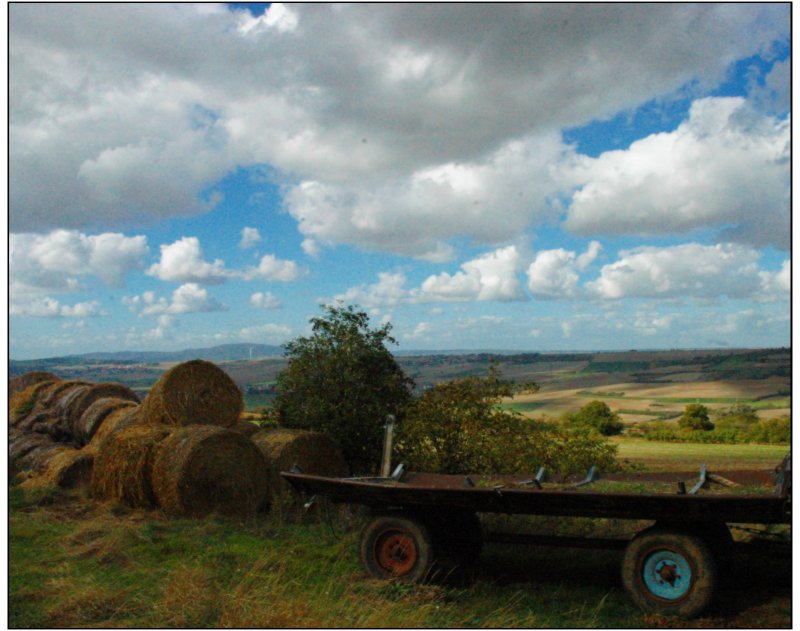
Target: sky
{"x": 519, "y": 177}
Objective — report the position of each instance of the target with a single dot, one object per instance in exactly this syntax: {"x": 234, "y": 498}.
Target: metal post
{"x": 386, "y": 462}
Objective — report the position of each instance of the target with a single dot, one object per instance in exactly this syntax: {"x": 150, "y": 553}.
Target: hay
{"x": 51, "y": 394}
{"x": 204, "y": 469}
{"x": 123, "y": 466}
{"x": 22, "y": 445}
{"x": 35, "y": 462}
{"x": 93, "y": 417}
{"x": 23, "y": 402}
{"x": 80, "y": 403}
{"x": 245, "y": 427}
{"x": 117, "y": 420}
{"x": 18, "y": 384}
{"x": 194, "y": 392}
{"x": 314, "y": 453}
{"x": 66, "y": 469}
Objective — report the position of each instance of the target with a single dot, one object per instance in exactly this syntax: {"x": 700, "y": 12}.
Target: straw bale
{"x": 245, "y": 427}
{"x": 18, "y": 384}
{"x": 77, "y": 406}
{"x": 123, "y": 466}
{"x": 67, "y": 468}
{"x": 23, "y": 402}
{"x": 314, "y": 453}
{"x": 202, "y": 469}
{"x": 51, "y": 394}
{"x": 35, "y": 462}
{"x": 20, "y": 446}
{"x": 194, "y": 392}
{"x": 93, "y": 417}
{"x": 117, "y": 420}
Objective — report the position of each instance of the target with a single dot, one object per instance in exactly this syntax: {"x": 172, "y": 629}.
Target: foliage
{"x": 342, "y": 381}
{"x": 730, "y": 430}
{"x": 597, "y": 416}
{"x": 458, "y": 427}
{"x": 695, "y": 416}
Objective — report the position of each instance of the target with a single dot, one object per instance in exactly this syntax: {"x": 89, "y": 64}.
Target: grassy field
{"x": 75, "y": 563}
{"x": 658, "y": 456}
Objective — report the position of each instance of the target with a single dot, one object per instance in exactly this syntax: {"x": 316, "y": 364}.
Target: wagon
{"x": 421, "y": 522}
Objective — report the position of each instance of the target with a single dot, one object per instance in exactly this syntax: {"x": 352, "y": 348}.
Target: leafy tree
{"x": 457, "y": 427}
{"x": 599, "y": 417}
{"x": 695, "y": 416}
{"x": 342, "y": 381}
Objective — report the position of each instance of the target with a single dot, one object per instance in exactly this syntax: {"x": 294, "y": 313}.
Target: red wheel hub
{"x": 395, "y": 551}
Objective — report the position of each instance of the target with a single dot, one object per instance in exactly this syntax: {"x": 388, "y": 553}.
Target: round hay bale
{"x": 35, "y": 462}
{"x": 204, "y": 469}
{"x": 119, "y": 419}
{"x": 18, "y": 384}
{"x": 23, "y": 402}
{"x": 60, "y": 426}
{"x": 80, "y": 403}
{"x": 66, "y": 469}
{"x": 51, "y": 394}
{"x": 20, "y": 446}
{"x": 93, "y": 417}
{"x": 245, "y": 427}
{"x": 193, "y": 393}
{"x": 314, "y": 453}
{"x": 123, "y": 466}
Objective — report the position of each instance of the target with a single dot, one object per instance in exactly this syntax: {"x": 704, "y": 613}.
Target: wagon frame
{"x": 425, "y": 523}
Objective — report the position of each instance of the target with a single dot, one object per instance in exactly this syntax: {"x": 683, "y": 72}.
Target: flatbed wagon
{"x": 423, "y": 522}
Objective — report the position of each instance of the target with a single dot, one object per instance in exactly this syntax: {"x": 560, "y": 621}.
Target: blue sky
{"x": 519, "y": 177}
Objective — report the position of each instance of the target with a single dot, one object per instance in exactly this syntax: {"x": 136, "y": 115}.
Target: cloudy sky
{"x": 521, "y": 177}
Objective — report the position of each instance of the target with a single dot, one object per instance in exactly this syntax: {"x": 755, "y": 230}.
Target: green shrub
{"x": 597, "y": 416}
{"x": 695, "y": 416}
{"x": 457, "y": 427}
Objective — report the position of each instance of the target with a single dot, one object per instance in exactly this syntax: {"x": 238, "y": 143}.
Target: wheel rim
{"x": 395, "y": 552}
{"x": 667, "y": 575}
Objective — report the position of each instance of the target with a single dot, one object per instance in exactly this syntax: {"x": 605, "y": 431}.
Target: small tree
{"x": 599, "y": 417}
{"x": 458, "y": 427}
{"x": 342, "y": 381}
{"x": 695, "y": 416}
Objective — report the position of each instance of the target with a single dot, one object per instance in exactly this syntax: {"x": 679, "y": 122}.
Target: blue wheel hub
{"x": 667, "y": 575}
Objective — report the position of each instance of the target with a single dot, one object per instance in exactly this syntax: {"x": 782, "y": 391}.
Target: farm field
{"x": 637, "y": 402}
{"x": 664, "y": 456}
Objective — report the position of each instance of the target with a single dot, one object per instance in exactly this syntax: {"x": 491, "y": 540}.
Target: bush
{"x": 342, "y": 382}
{"x": 695, "y": 416}
{"x": 457, "y": 427}
{"x": 597, "y": 416}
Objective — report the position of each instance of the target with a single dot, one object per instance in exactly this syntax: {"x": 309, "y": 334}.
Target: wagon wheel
{"x": 669, "y": 572}
{"x": 396, "y": 547}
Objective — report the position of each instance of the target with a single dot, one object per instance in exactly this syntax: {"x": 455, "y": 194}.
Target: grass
{"x": 76, "y": 563}
{"x": 664, "y": 456}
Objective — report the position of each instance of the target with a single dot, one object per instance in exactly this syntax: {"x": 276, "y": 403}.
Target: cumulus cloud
{"x": 50, "y": 308}
{"x": 555, "y": 273}
{"x": 182, "y": 261}
{"x": 687, "y": 271}
{"x": 727, "y": 165}
{"x": 265, "y": 300}
{"x": 188, "y": 298}
{"x": 385, "y": 114}
{"x": 274, "y": 269}
{"x": 250, "y": 236}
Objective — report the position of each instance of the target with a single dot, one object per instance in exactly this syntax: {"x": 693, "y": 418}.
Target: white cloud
{"x": 54, "y": 261}
{"x": 266, "y": 333}
{"x": 265, "y": 300}
{"x": 492, "y": 276}
{"x": 684, "y": 271}
{"x": 274, "y": 269}
{"x": 182, "y": 261}
{"x": 403, "y": 131}
{"x": 188, "y": 298}
{"x": 311, "y": 248}
{"x": 726, "y": 166}
{"x": 390, "y": 290}
{"x": 50, "y": 308}
{"x": 250, "y": 236}
{"x": 554, "y": 273}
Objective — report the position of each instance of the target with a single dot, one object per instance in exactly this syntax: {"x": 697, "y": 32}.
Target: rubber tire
{"x": 414, "y": 531}
{"x": 693, "y": 549}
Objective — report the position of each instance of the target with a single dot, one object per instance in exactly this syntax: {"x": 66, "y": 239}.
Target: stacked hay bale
{"x": 193, "y": 393}
{"x": 204, "y": 469}
{"x": 314, "y": 453}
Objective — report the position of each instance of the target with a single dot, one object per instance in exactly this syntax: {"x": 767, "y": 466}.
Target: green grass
{"x": 664, "y": 456}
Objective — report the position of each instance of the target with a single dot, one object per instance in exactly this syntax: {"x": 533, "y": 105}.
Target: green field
{"x": 658, "y": 456}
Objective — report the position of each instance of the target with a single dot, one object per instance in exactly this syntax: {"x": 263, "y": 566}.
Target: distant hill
{"x": 225, "y": 352}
